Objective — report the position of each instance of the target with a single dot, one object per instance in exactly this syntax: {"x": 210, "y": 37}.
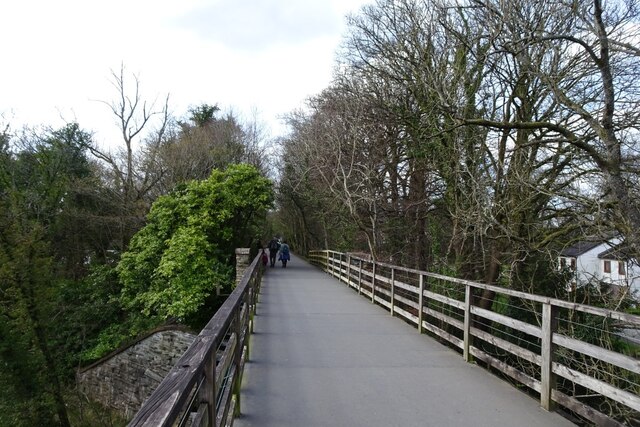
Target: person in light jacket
{"x": 284, "y": 254}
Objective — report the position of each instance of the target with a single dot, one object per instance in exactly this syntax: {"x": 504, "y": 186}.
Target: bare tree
{"x": 205, "y": 141}
{"x": 595, "y": 82}
{"x": 134, "y": 170}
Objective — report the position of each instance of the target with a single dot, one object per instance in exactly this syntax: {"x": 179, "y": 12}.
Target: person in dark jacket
{"x": 274, "y": 246}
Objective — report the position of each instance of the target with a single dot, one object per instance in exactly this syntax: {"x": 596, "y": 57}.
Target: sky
{"x": 253, "y": 57}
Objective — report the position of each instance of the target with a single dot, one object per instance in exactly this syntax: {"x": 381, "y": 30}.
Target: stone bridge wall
{"x": 124, "y": 379}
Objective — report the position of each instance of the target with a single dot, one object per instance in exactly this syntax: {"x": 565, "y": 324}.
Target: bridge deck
{"x": 324, "y": 356}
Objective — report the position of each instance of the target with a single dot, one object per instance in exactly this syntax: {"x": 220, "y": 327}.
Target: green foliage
{"x": 76, "y": 330}
{"x": 24, "y": 400}
{"x": 35, "y": 183}
{"x": 86, "y": 413}
{"x": 634, "y": 310}
{"x": 47, "y": 167}
{"x": 183, "y": 253}
{"x": 62, "y": 302}
{"x": 116, "y": 335}
{"x": 203, "y": 114}
{"x": 27, "y": 373}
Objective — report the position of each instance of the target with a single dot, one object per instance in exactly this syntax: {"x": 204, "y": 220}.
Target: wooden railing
{"x": 568, "y": 353}
{"x": 203, "y": 388}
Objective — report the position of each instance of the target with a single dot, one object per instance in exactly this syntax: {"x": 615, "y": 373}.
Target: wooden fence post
{"x": 420, "y": 302}
{"x": 325, "y": 261}
{"x": 332, "y": 263}
{"x": 348, "y": 270}
{"x": 238, "y": 356}
{"x": 255, "y": 286}
{"x": 360, "y": 277}
{"x": 208, "y": 392}
{"x": 327, "y": 264}
{"x": 547, "y": 377}
{"x": 393, "y": 276}
{"x": 467, "y": 324}
{"x": 250, "y": 305}
{"x": 249, "y": 315}
{"x": 373, "y": 284}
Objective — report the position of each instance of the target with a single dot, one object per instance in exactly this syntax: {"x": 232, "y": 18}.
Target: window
{"x": 573, "y": 263}
{"x": 621, "y": 269}
{"x": 607, "y": 266}
{"x": 563, "y": 262}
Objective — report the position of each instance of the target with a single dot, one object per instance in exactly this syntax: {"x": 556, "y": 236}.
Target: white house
{"x": 604, "y": 262}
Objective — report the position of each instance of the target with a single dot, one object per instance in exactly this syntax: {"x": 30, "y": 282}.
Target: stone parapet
{"x": 126, "y": 378}
{"x": 243, "y": 260}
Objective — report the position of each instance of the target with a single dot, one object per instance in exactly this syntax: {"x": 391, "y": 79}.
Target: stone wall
{"x": 124, "y": 379}
{"x": 243, "y": 261}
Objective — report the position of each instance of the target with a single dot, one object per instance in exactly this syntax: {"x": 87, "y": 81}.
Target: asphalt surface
{"x": 323, "y": 356}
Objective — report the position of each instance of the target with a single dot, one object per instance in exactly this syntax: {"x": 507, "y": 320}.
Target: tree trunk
{"x": 50, "y": 370}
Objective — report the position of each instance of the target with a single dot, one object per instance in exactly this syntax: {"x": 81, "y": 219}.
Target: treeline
{"x": 478, "y": 139}
{"x": 475, "y": 138}
{"x": 98, "y": 246}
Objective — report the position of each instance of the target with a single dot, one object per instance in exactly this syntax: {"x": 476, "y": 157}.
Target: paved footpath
{"x": 323, "y": 356}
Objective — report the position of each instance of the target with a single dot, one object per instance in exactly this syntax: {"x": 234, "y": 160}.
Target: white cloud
{"x": 255, "y": 25}
{"x": 267, "y": 55}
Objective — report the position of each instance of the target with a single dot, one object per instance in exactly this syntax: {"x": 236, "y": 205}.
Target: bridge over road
{"x": 323, "y": 356}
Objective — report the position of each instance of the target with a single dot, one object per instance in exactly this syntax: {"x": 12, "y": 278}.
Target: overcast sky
{"x": 262, "y": 55}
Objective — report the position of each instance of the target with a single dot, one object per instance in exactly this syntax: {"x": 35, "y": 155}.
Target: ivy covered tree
{"x": 36, "y": 188}
{"x": 183, "y": 253}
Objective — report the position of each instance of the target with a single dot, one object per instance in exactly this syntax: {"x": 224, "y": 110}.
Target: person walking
{"x": 284, "y": 254}
{"x": 274, "y": 246}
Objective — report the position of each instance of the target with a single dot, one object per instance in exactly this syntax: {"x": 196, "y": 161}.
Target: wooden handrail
{"x": 453, "y": 319}
{"x": 203, "y": 386}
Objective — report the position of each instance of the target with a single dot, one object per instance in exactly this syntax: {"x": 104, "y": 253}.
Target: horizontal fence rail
{"x": 569, "y": 354}
{"x": 203, "y": 388}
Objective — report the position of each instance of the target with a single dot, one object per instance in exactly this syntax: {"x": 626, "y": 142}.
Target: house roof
{"x": 578, "y": 249}
{"x": 618, "y": 252}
